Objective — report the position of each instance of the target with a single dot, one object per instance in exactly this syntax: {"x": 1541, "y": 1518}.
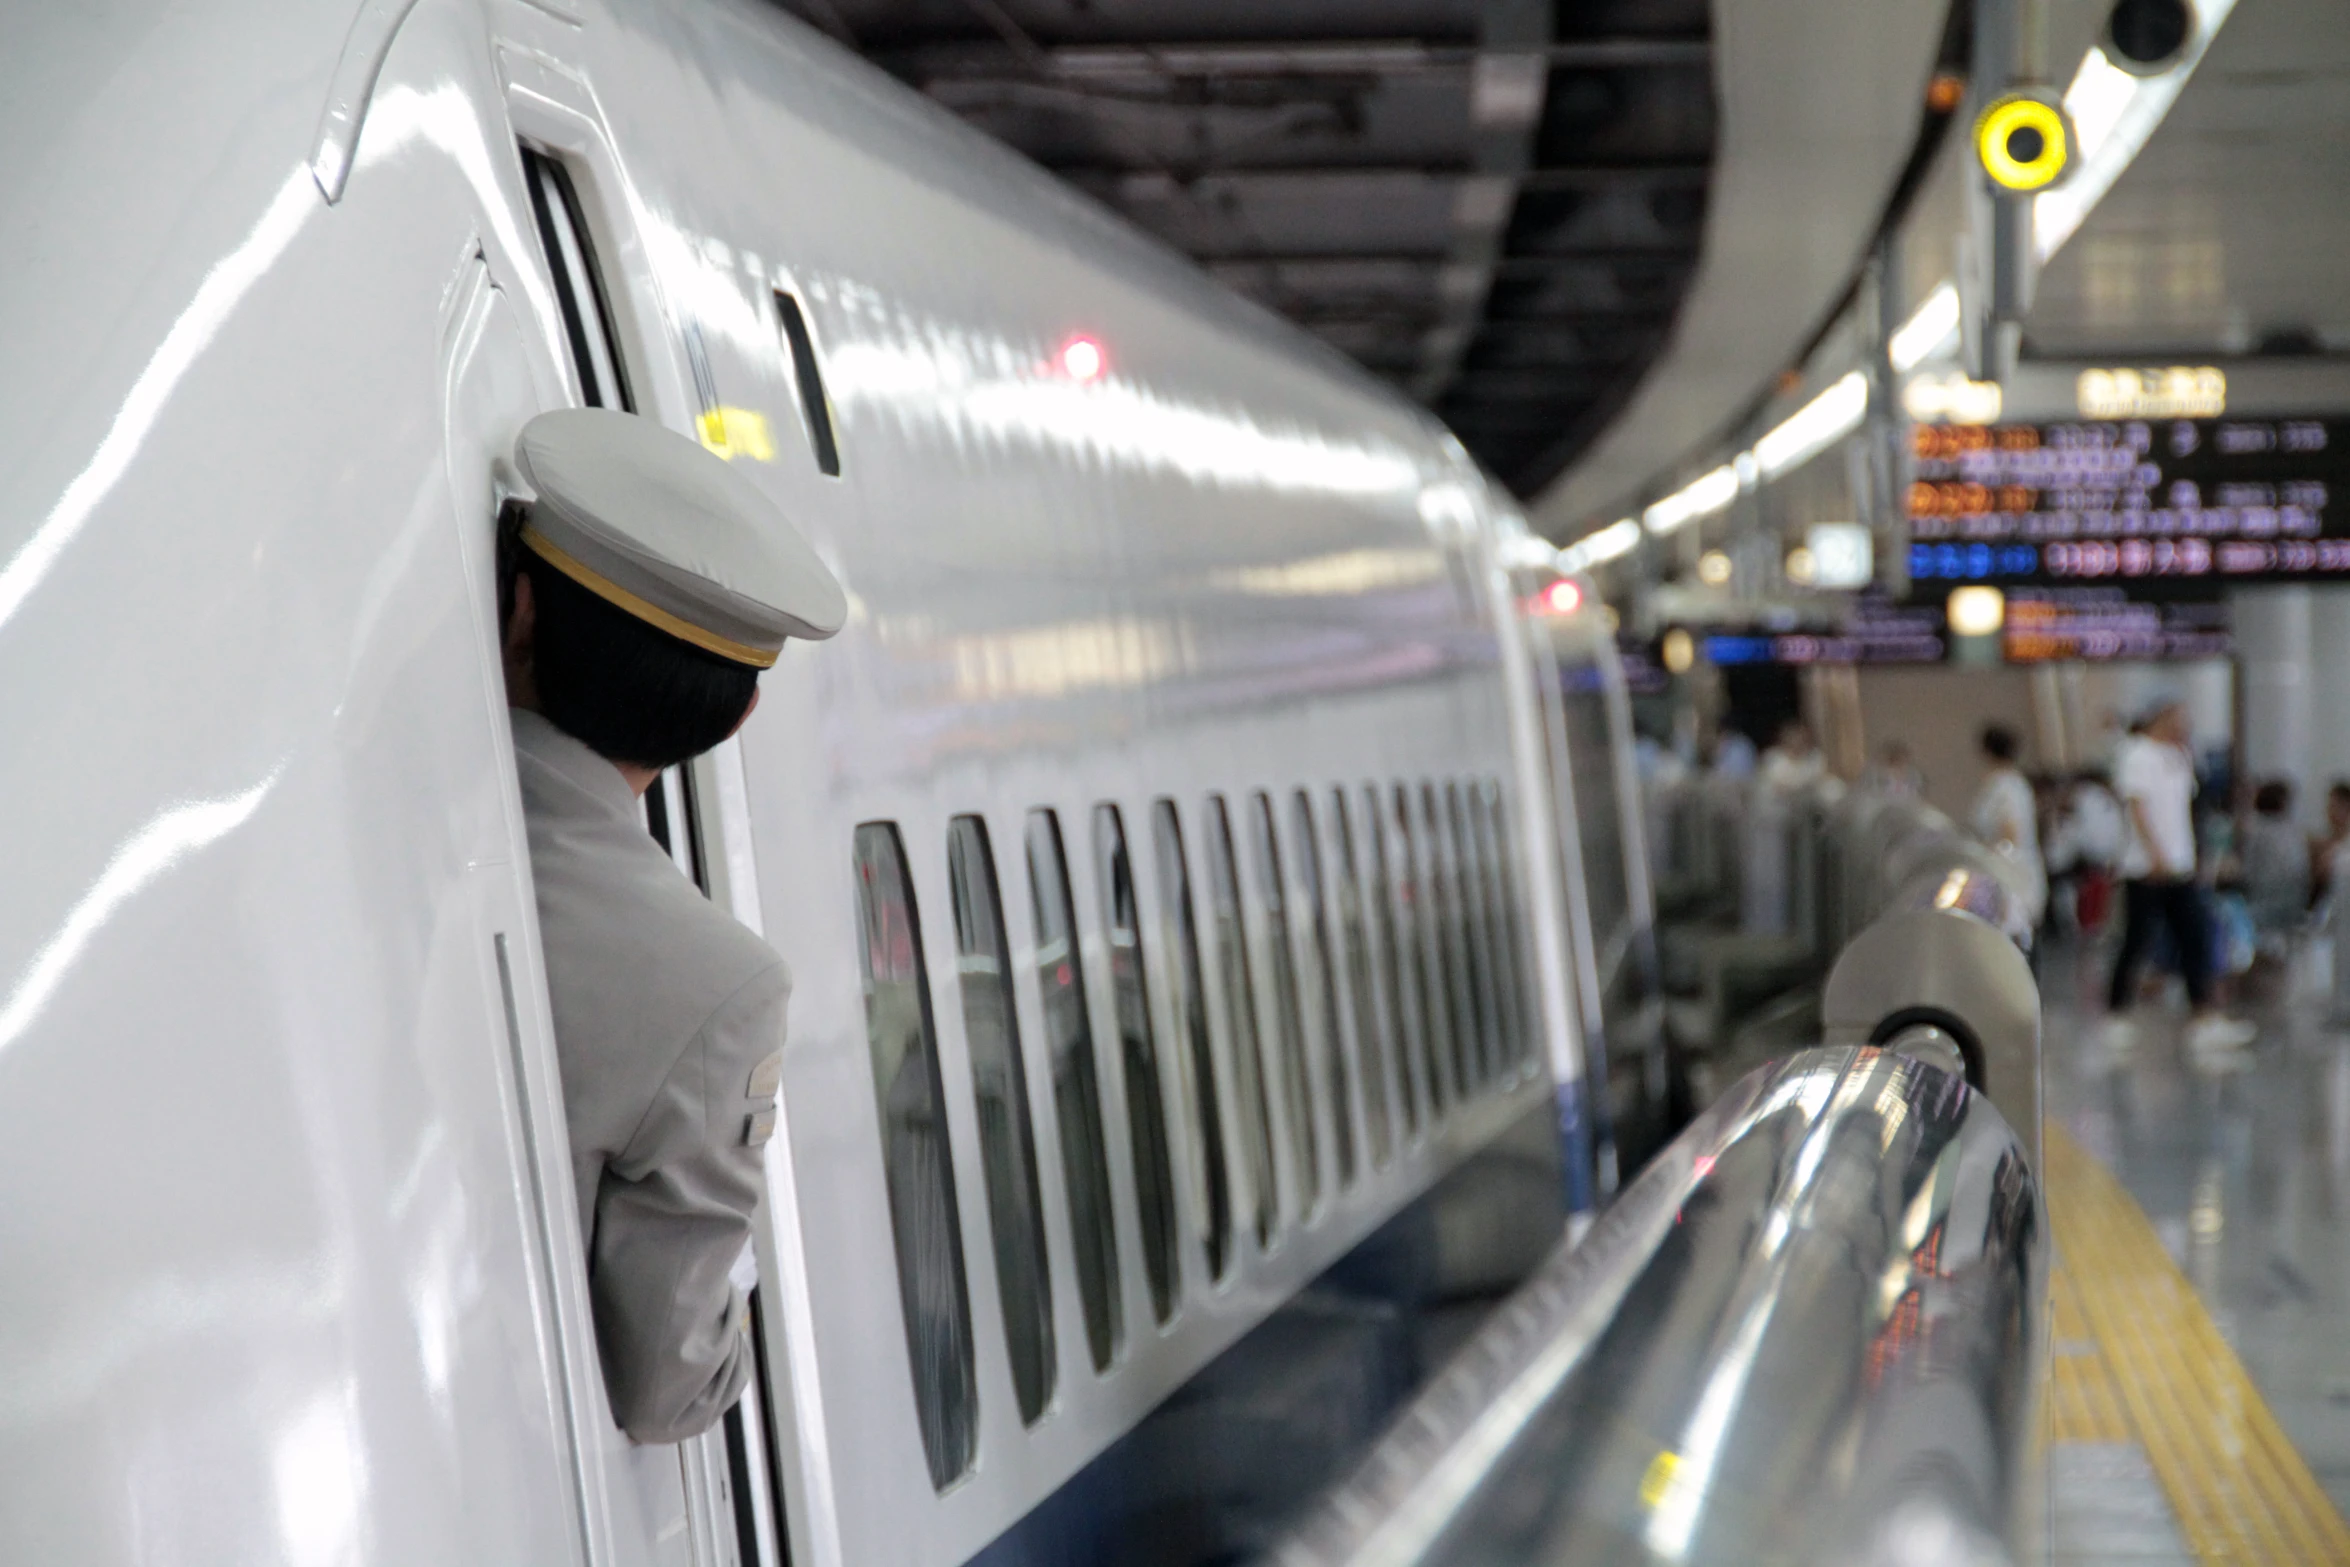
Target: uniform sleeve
{"x": 672, "y": 1215}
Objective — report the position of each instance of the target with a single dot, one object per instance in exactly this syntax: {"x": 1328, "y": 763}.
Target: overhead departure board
{"x": 2149, "y": 505}
{"x": 2097, "y": 625}
{"x": 1875, "y": 632}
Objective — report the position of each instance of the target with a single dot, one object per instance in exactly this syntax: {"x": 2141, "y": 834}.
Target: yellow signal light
{"x": 2023, "y": 142}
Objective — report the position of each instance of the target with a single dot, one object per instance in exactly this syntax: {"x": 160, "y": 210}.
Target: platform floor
{"x": 2199, "y": 1406}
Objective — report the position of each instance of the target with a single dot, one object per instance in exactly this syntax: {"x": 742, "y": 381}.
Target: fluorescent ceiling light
{"x": 1922, "y": 336}
{"x": 1525, "y": 552}
{"x": 1709, "y": 493}
{"x": 2101, "y": 90}
{"x": 1616, "y": 539}
{"x": 1814, "y": 427}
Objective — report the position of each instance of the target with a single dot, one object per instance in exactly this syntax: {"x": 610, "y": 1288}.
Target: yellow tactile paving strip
{"x": 2135, "y": 1358}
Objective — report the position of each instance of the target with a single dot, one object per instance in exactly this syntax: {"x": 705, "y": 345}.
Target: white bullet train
{"x": 1176, "y": 853}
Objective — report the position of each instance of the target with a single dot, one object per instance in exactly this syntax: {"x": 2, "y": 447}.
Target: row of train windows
{"x": 1399, "y": 979}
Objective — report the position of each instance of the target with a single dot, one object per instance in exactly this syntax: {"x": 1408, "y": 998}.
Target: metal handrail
{"x": 1810, "y": 1333}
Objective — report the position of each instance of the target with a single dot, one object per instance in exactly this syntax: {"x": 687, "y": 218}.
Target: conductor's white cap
{"x": 647, "y": 520}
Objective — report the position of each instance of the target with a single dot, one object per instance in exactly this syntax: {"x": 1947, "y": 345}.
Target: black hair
{"x": 2340, "y": 789}
{"x": 1999, "y": 742}
{"x": 2273, "y": 798}
{"x": 626, "y": 690}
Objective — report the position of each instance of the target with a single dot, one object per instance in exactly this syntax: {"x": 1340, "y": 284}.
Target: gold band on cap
{"x": 613, "y": 593}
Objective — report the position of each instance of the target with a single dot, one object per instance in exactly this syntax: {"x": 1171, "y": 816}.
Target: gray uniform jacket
{"x": 669, "y": 1025}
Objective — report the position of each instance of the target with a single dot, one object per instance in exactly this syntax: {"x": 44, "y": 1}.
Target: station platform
{"x": 2199, "y": 1400}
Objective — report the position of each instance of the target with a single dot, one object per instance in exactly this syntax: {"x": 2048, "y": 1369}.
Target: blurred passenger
{"x": 1733, "y": 755}
{"x": 2086, "y": 839}
{"x": 2275, "y": 863}
{"x": 2006, "y": 815}
{"x": 1655, "y": 764}
{"x": 2328, "y": 844}
{"x": 2219, "y": 829}
{"x": 2156, "y": 781}
{"x": 1794, "y": 761}
{"x": 2113, "y": 737}
{"x": 1896, "y": 774}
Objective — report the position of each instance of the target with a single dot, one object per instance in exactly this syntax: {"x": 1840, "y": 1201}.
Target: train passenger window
{"x": 1240, "y": 1016}
{"x": 1288, "y": 1005}
{"x": 1442, "y": 868}
{"x": 923, "y": 1220}
{"x": 1322, "y": 987}
{"x": 808, "y": 376}
{"x": 1211, "y": 1182}
{"x": 1399, "y": 984}
{"x": 1146, "y": 1111}
{"x": 1473, "y": 879}
{"x": 579, "y": 287}
{"x": 1077, "y": 1093}
{"x": 1007, "y": 1139}
{"x": 1519, "y": 1009}
{"x": 1372, "y": 1026}
{"x": 1416, "y": 908}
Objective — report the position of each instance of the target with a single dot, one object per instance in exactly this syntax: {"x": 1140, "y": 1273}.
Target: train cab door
{"x": 716, "y": 1500}
{"x": 492, "y": 384}
{"x": 667, "y": 1505}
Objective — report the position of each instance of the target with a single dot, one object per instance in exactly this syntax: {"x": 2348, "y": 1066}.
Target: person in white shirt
{"x": 1793, "y": 762}
{"x": 2007, "y": 817}
{"x": 2095, "y": 830}
{"x": 2084, "y": 844}
{"x": 2155, "y": 778}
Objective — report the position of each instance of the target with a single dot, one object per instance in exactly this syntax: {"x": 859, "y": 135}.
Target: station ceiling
{"x": 1498, "y": 205}
{"x": 2226, "y": 236}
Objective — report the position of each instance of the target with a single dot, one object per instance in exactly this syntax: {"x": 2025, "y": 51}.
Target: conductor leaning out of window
{"x": 643, "y": 588}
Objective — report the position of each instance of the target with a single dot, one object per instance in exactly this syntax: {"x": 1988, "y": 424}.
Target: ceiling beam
{"x": 1533, "y": 263}
{"x": 1125, "y": 182}
{"x": 1510, "y": 80}
{"x": 1126, "y": 63}
{"x": 1491, "y": 396}
{"x": 1607, "y": 176}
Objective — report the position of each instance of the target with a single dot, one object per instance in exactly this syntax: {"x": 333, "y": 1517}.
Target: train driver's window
{"x": 916, "y": 1162}
{"x": 1211, "y": 1182}
{"x": 1289, "y": 1025}
{"x": 1372, "y": 1029}
{"x": 1077, "y": 1093}
{"x": 1397, "y": 966}
{"x": 579, "y": 287}
{"x": 1416, "y": 907}
{"x": 1007, "y": 1140}
{"x": 1146, "y": 1111}
{"x": 1322, "y": 984}
{"x": 585, "y": 305}
{"x": 1240, "y": 1017}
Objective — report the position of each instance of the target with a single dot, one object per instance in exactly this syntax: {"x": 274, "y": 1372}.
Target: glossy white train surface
{"x": 288, "y": 1265}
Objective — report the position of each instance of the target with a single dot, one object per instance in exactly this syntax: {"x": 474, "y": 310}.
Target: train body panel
{"x": 299, "y": 1278}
